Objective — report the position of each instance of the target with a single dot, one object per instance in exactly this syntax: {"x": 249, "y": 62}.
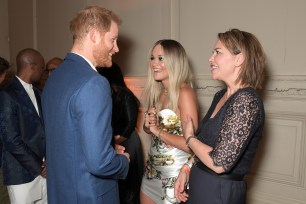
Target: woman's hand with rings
{"x": 150, "y": 117}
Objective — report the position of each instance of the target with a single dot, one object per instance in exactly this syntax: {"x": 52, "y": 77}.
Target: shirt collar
{"x": 91, "y": 65}
{"x": 24, "y": 84}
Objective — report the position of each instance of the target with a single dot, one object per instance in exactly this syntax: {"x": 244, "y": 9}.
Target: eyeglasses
{"x": 51, "y": 69}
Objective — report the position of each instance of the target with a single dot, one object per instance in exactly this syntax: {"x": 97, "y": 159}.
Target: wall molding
{"x": 286, "y": 87}
{"x": 265, "y": 198}
{"x": 294, "y": 176}
{"x": 290, "y": 87}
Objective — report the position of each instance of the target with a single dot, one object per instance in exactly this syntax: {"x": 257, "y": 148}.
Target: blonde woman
{"x": 171, "y": 98}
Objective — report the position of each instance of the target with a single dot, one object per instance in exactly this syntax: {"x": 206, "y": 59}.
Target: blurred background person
{"x": 4, "y": 67}
{"x": 51, "y": 65}
{"x": 124, "y": 121}
{"x": 4, "y": 198}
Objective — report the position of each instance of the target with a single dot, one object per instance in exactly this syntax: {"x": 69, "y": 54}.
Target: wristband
{"x": 187, "y": 169}
{"x": 189, "y": 138}
{"x": 188, "y": 164}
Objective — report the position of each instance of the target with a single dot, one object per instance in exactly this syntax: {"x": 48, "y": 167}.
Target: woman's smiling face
{"x": 159, "y": 70}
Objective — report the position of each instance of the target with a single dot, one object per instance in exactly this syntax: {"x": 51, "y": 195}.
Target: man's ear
{"x": 94, "y": 35}
{"x": 239, "y": 59}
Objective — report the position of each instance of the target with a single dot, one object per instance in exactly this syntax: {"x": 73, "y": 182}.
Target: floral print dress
{"x": 164, "y": 162}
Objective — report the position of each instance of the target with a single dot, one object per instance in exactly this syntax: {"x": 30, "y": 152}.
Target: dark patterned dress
{"x": 234, "y": 134}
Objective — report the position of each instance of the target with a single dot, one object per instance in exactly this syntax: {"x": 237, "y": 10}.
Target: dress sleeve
{"x": 237, "y": 128}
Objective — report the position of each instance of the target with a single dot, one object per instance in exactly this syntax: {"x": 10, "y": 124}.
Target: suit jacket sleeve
{"x": 93, "y": 106}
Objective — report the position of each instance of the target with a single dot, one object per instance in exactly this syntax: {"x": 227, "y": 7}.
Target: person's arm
{"x": 93, "y": 107}
{"x": 130, "y": 107}
{"x": 235, "y": 133}
{"x": 188, "y": 108}
{"x": 180, "y": 186}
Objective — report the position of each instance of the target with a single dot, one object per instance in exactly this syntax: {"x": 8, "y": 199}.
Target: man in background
{"x": 22, "y": 132}
{"x": 51, "y": 65}
{"x": 83, "y": 166}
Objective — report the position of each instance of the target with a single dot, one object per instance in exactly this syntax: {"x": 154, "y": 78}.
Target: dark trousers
{"x": 129, "y": 188}
{"x": 205, "y": 188}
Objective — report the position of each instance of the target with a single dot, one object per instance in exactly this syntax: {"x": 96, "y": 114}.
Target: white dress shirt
{"x": 30, "y": 92}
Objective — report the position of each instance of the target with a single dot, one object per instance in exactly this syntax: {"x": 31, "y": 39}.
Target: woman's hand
{"x": 119, "y": 139}
{"x": 121, "y": 150}
{"x": 180, "y": 185}
{"x": 150, "y": 120}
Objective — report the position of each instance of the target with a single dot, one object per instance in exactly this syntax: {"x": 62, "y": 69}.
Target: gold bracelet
{"x": 189, "y": 138}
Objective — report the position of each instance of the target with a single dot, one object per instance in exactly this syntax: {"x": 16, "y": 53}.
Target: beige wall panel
{"x": 21, "y": 26}
{"x": 4, "y": 30}
{"x": 53, "y": 35}
{"x": 279, "y": 25}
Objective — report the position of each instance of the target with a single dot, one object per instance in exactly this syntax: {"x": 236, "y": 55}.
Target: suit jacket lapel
{"x": 21, "y": 92}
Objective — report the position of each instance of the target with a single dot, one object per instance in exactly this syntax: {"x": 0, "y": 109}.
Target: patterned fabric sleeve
{"x": 237, "y": 128}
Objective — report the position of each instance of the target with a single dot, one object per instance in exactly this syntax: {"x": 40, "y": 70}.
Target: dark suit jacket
{"x": 22, "y": 135}
{"x": 82, "y": 165}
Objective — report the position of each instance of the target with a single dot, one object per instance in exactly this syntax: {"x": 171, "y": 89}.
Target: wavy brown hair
{"x": 253, "y": 68}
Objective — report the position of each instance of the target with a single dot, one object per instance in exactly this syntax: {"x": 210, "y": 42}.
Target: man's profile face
{"x": 103, "y": 52}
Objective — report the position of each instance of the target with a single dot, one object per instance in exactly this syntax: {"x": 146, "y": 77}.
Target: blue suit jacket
{"x": 82, "y": 166}
{"x": 22, "y": 135}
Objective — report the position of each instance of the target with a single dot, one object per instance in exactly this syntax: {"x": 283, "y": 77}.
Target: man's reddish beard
{"x": 101, "y": 56}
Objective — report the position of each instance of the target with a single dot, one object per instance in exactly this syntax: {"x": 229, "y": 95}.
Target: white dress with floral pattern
{"x": 164, "y": 162}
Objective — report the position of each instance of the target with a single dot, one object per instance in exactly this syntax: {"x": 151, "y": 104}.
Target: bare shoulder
{"x": 186, "y": 91}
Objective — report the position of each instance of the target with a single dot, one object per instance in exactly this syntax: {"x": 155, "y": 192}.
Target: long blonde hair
{"x": 176, "y": 62}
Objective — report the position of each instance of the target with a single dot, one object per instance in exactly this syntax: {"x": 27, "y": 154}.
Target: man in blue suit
{"x": 22, "y": 132}
{"x": 82, "y": 165}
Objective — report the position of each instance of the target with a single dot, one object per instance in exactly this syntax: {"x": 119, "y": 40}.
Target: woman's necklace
{"x": 164, "y": 99}
{"x": 165, "y": 91}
